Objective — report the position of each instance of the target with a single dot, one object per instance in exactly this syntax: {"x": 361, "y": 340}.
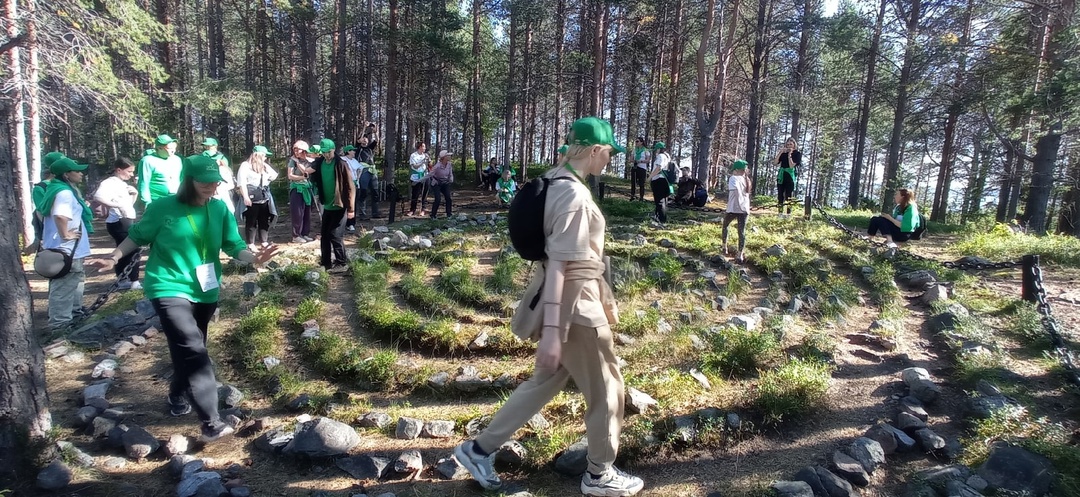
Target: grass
{"x": 458, "y": 282}
{"x": 794, "y": 388}
{"x": 640, "y": 323}
{"x": 258, "y": 336}
{"x": 507, "y": 275}
{"x": 737, "y": 352}
{"x": 122, "y": 302}
{"x": 665, "y": 270}
{"x": 1002, "y": 243}
{"x": 1039, "y": 435}
{"x": 308, "y": 309}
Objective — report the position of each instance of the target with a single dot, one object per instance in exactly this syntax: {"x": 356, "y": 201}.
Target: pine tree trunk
{"x": 757, "y": 74}
{"x": 1042, "y": 179}
{"x": 1069, "y": 218}
{"x": 854, "y": 185}
{"x": 33, "y": 100}
{"x": 511, "y": 88}
{"x": 18, "y": 119}
{"x": 477, "y": 114}
{"x": 560, "y": 47}
{"x": 802, "y": 62}
{"x": 676, "y": 72}
{"x": 896, "y": 139}
{"x": 391, "y": 96}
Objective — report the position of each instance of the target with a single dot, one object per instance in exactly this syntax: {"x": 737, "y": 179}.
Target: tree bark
{"x": 802, "y": 63}
{"x": 956, "y": 108}
{"x": 33, "y": 100}
{"x": 511, "y": 88}
{"x": 18, "y": 121}
{"x": 854, "y": 185}
{"x": 560, "y": 47}
{"x": 757, "y": 69}
{"x": 676, "y": 72}
{"x": 391, "y": 133}
{"x": 892, "y": 163}
{"x": 1042, "y": 180}
{"x": 1069, "y": 217}
{"x": 477, "y": 114}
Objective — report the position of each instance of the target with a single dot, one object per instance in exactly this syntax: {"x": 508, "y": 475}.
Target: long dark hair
{"x": 187, "y": 194}
{"x": 122, "y": 163}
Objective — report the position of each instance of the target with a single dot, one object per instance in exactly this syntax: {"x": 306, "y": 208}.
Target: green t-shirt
{"x": 158, "y": 177}
{"x": 181, "y": 238}
{"x": 911, "y": 217}
{"x": 329, "y": 184}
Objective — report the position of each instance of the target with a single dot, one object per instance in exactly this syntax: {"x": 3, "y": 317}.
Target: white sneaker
{"x": 891, "y": 245}
{"x": 613, "y": 483}
{"x": 308, "y": 239}
{"x": 299, "y": 239}
{"x": 351, "y": 229}
{"x": 135, "y": 285}
{"x": 479, "y": 467}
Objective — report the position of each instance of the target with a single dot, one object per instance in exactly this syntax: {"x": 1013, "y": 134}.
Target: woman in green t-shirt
{"x": 904, "y": 220}
{"x": 186, "y": 233}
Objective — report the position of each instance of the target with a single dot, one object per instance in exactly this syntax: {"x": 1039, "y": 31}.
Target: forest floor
{"x": 668, "y": 346}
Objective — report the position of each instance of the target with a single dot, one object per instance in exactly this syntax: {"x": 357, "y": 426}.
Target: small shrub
{"x": 638, "y": 324}
{"x": 308, "y": 309}
{"x": 817, "y": 345}
{"x": 665, "y": 270}
{"x": 735, "y": 285}
{"x": 738, "y": 352}
{"x": 379, "y": 369}
{"x": 792, "y": 389}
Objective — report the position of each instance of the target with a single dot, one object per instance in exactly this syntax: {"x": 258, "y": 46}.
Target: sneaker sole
{"x": 466, "y": 461}
{"x": 611, "y": 492}
{"x": 228, "y": 430}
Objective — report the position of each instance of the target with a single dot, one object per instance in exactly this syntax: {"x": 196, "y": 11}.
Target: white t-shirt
{"x": 114, "y": 191}
{"x": 644, "y": 159}
{"x": 355, "y": 168}
{"x": 225, "y": 188}
{"x": 65, "y": 205}
{"x": 418, "y": 162}
{"x": 738, "y": 195}
{"x": 660, "y": 162}
{"x": 247, "y": 175}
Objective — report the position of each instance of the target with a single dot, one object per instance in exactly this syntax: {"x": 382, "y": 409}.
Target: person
{"x": 116, "y": 193}
{"x": 66, "y": 225}
{"x": 37, "y": 193}
{"x": 301, "y": 197}
{"x": 348, "y": 154}
{"x": 442, "y": 178}
{"x": 418, "y": 170}
{"x": 642, "y": 163}
{"x": 186, "y": 233}
{"x": 490, "y": 175}
{"x": 658, "y": 182}
{"x": 159, "y": 173}
{"x": 371, "y": 135}
{"x": 572, "y": 323}
{"x": 506, "y": 188}
{"x": 690, "y": 190}
{"x": 259, "y": 210}
{"x": 227, "y": 188}
{"x": 559, "y": 154}
{"x": 369, "y": 180}
{"x": 738, "y": 206}
{"x": 898, "y": 226}
{"x": 790, "y": 160}
{"x": 333, "y": 181}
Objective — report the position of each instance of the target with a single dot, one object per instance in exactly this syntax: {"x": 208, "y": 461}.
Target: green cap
{"x": 563, "y": 149}
{"x": 163, "y": 140}
{"x": 739, "y": 164}
{"x": 659, "y": 145}
{"x": 148, "y": 151}
{"x": 209, "y": 142}
{"x": 347, "y": 148}
{"x": 48, "y": 159}
{"x": 259, "y": 149}
{"x": 327, "y": 145}
{"x": 593, "y": 131}
{"x": 315, "y": 149}
{"x": 65, "y": 164}
{"x": 202, "y": 169}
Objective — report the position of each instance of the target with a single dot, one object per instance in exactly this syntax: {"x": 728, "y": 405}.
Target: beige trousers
{"x": 588, "y": 356}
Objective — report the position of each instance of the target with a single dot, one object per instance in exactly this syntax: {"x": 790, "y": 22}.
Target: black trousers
{"x": 184, "y": 323}
{"x": 442, "y": 190}
{"x": 332, "y": 246}
{"x": 419, "y": 192}
{"x": 489, "y": 181}
{"x": 257, "y": 223}
{"x": 637, "y": 181}
{"x": 741, "y": 218}
{"x": 660, "y": 192}
{"x": 119, "y": 231}
{"x": 881, "y": 225}
{"x": 784, "y": 193}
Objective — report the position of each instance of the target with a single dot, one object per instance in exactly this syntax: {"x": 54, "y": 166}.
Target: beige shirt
{"x": 575, "y": 230}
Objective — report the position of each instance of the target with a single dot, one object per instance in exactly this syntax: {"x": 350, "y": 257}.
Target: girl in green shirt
{"x": 904, "y": 220}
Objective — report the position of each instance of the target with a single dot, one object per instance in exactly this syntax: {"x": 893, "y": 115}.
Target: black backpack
{"x": 526, "y": 218}
{"x": 918, "y": 233}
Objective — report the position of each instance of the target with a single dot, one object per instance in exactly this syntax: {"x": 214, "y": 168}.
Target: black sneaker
{"x": 339, "y": 268}
{"x": 178, "y": 406}
{"x": 213, "y": 434}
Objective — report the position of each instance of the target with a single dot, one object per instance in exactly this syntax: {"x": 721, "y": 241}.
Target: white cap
{"x": 444, "y": 153}
{"x": 301, "y": 144}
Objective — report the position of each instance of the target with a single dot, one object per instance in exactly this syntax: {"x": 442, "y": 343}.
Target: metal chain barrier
{"x": 710, "y": 210}
{"x": 104, "y": 297}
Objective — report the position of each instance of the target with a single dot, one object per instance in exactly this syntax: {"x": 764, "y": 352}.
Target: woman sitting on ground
{"x": 898, "y": 226}
{"x": 507, "y": 187}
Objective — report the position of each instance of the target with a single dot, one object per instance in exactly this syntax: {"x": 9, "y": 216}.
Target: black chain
{"x": 710, "y": 210}
{"x": 104, "y": 297}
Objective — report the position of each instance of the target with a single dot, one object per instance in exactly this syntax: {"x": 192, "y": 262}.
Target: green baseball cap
{"x": 202, "y": 169}
{"x": 315, "y": 149}
{"x": 209, "y": 142}
{"x": 347, "y": 148}
{"x": 48, "y": 159}
{"x": 326, "y": 145}
{"x": 259, "y": 149}
{"x": 563, "y": 149}
{"x": 66, "y": 164}
{"x": 659, "y": 145}
{"x": 594, "y": 131}
{"x": 163, "y": 140}
{"x": 739, "y": 164}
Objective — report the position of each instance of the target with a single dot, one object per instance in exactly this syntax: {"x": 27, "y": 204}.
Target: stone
{"x": 637, "y": 402}
{"x": 764, "y": 312}
{"x": 378, "y": 420}
{"x": 409, "y": 462}
{"x": 114, "y": 463}
{"x": 192, "y": 467}
{"x": 438, "y": 429}
{"x": 574, "y": 460}
{"x": 538, "y": 423}
{"x": 299, "y": 403}
{"x": 834, "y": 485}
{"x": 96, "y": 391}
{"x": 480, "y": 342}
{"x": 733, "y": 421}
{"x": 850, "y": 469}
{"x": 322, "y": 437}
{"x": 934, "y": 293}
{"x": 229, "y": 396}
{"x": 470, "y": 383}
{"x": 150, "y": 332}
{"x": 364, "y": 467}
{"x": 425, "y": 243}
{"x": 926, "y": 391}
{"x": 176, "y": 464}
{"x": 85, "y": 416}
{"x": 115, "y": 414}
{"x": 748, "y": 322}
{"x": 685, "y": 429}
{"x": 193, "y": 485}
{"x": 476, "y": 425}
{"x": 408, "y": 428}
{"x": 240, "y": 492}
{"x": 914, "y": 407}
{"x": 984, "y": 407}
{"x": 271, "y": 362}
{"x": 941, "y": 323}
{"x": 938, "y": 475}
{"x": 701, "y": 379}
{"x": 399, "y": 239}
{"x": 73, "y": 357}
{"x": 722, "y": 303}
{"x": 663, "y": 327}
{"x": 137, "y": 340}
{"x": 139, "y": 443}
{"x": 792, "y": 489}
{"x": 1017, "y": 470}
{"x": 76, "y": 456}
{"x": 776, "y": 251}
{"x": 115, "y": 438}
{"x": 177, "y": 445}
{"x": 955, "y": 488}
{"x": 624, "y": 339}
{"x": 438, "y": 380}
{"x": 274, "y": 440}
{"x": 911, "y": 376}
{"x": 809, "y": 476}
{"x": 988, "y": 389}
{"x": 905, "y": 421}
{"x": 868, "y": 452}
{"x": 953, "y": 450}
{"x": 665, "y": 243}
{"x": 449, "y": 468}
{"x": 917, "y": 279}
{"x": 928, "y": 440}
{"x": 795, "y": 306}
{"x": 103, "y": 366}
{"x": 511, "y": 453}
{"x": 977, "y": 483}
{"x": 55, "y": 476}
{"x": 505, "y": 381}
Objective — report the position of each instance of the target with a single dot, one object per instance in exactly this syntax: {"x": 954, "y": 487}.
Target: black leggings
{"x": 637, "y": 181}
{"x": 785, "y": 191}
{"x": 257, "y": 223}
{"x": 332, "y": 247}
{"x": 419, "y": 192}
{"x": 881, "y": 225}
{"x": 741, "y": 218}
{"x": 442, "y": 191}
{"x": 184, "y": 323}
{"x": 119, "y": 231}
{"x": 660, "y": 192}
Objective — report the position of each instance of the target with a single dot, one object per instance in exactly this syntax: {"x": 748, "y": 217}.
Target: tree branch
{"x": 12, "y": 43}
{"x": 1004, "y": 140}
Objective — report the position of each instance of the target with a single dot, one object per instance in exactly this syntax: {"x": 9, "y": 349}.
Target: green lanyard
{"x": 574, "y": 172}
{"x": 199, "y": 239}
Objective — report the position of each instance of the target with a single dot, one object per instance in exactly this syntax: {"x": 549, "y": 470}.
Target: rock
{"x": 637, "y": 402}
{"x": 322, "y": 437}
{"x": 76, "y": 456}
{"x": 271, "y": 362}
{"x": 96, "y": 391}
{"x": 795, "y": 306}
{"x": 946, "y": 321}
{"x": 114, "y": 463}
{"x": 150, "y": 332}
{"x": 984, "y": 407}
{"x": 624, "y": 339}
{"x": 538, "y": 423}
{"x": 639, "y": 240}
{"x": 911, "y": 376}
{"x": 137, "y": 340}
{"x": 701, "y": 378}
{"x": 177, "y": 445}
{"x": 115, "y": 438}
{"x": 299, "y": 403}
{"x": 809, "y": 476}
{"x": 733, "y": 421}
{"x": 364, "y": 467}
{"x": 934, "y": 294}
{"x": 438, "y": 429}
{"x": 409, "y": 462}
{"x": 685, "y": 429}
{"x": 505, "y": 381}
{"x": 722, "y": 303}
{"x": 408, "y": 428}
{"x": 908, "y": 423}
{"x": 868, "y": 452}
{"x": 955, "y": 488}
{"x": 914, "y": 407}
{"x": 139, "y": 443}
{"x": 988, "y": 389}
{"x": 229, "y": 396}
{"x": 929, "y": 440}
{"x": 665, "y": 243}
{"x": 926, "y": 391}
{"x": 1018, "y": 470}
{"x": 438, "y": 380}
{"x": 380, "y": 229}
{"x": 953, "y": 450}
{"x": 574, "y": 460}
{"x": 792, "y": 489}
{"x": 977, "y": 483}
{"x": 85, "y": 416}
{"x": 425, "y": 243}
{"x": 450, "y": 469}
{"x": 192, "y": 486}
{"x": 748, "y": 322}
{"x": 252, "y": 289}
{"x": 834, "y": 485}
{"x": 938, "y": 475}
{"x": 480, "y": 342}
{"x": 916, "y": 279}
{"x": 763, "y": 312}
{"x": 663, "y": 327}
{"x": 511, "y": 453}
{"x": 176, "y": 464}
{"x": 850, "y": 469}
{"x": 103, "y": 366}
{"x": 378, "y": 420}
{"x": 274, "y": 440}
{"x": 192, "y": 467}
{"x": 776, "y": 251}
{"x": 55, "y": 476}
{"x": 399, "y": 239}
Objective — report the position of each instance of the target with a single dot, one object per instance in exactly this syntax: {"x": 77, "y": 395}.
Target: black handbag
{"x": 55, "y": 263}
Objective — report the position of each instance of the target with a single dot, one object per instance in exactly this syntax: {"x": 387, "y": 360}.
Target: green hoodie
{"x": 159, "y": 177}
{"x": 182, "y": 238}
{"x": 911, "y": 217}
{"x": 52, "y": 188}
